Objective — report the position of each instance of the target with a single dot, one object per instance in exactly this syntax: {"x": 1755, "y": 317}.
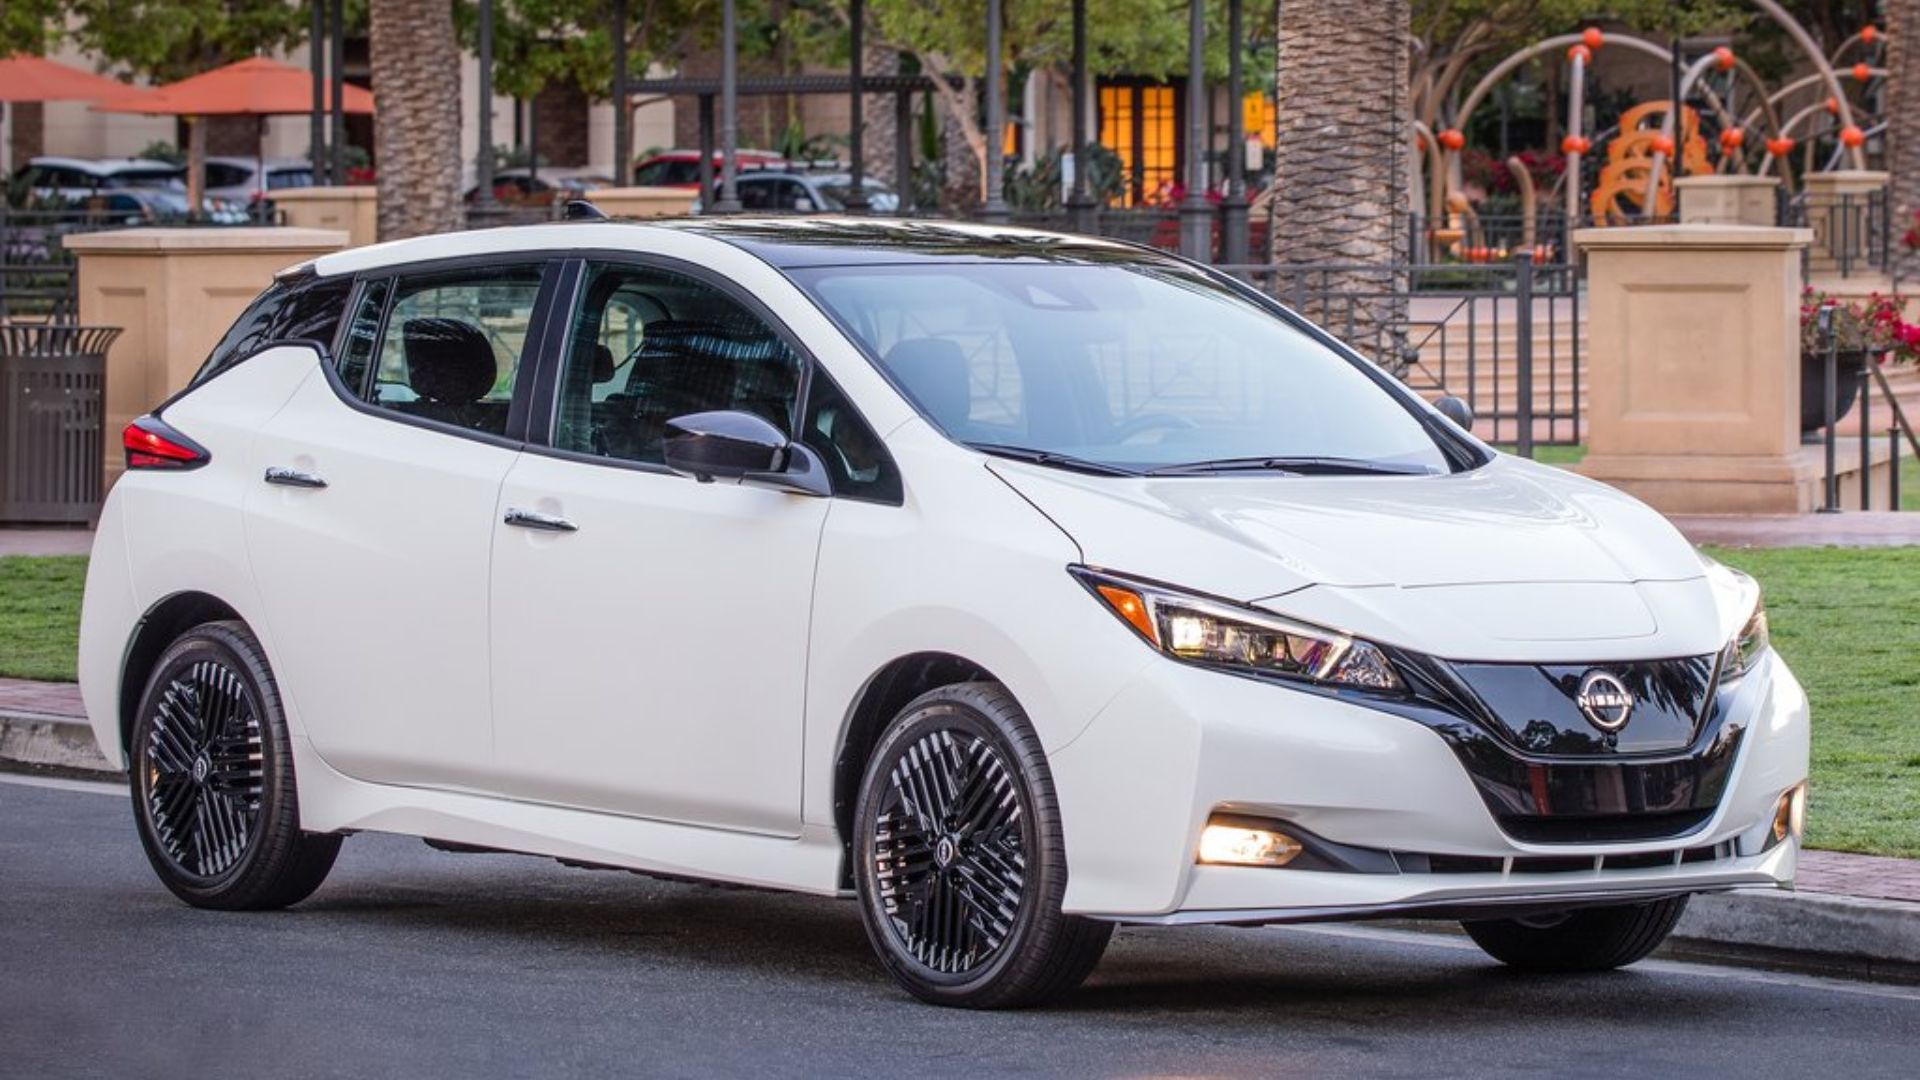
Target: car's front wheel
{"x": 960, "y": 863}
{"x": 1588, "y": 939}
{"x": 212, "y": 778}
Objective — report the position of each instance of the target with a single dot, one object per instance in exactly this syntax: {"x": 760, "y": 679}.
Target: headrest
{"x": 448, "y": 360}
{"x": 602, "y": 363}
{"x": 933, "y": 371}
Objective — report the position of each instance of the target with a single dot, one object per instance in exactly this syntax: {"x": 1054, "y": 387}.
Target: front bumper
{"x": 1179, "y": 744}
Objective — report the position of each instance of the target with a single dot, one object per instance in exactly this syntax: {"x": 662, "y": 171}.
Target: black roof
{"x": 790, "y": 243}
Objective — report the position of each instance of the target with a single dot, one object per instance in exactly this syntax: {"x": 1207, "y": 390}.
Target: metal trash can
{"x": 52, "y": 406}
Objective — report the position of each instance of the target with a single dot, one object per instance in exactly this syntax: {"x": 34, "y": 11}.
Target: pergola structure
{"x": 1196, "y": 214}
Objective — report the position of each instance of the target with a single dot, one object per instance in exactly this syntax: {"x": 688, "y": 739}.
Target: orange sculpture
{"x": 1621, "y": 191}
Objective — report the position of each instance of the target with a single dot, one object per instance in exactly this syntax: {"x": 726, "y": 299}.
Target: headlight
{"x": 1747, "y": 646}
{"x": 1204, "y": 631}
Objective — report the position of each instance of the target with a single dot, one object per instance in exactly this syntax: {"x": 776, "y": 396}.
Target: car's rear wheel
{"x": 960, "y": 862}
{"x": 212, "y": 778}
{"x": 1588, "y": 939}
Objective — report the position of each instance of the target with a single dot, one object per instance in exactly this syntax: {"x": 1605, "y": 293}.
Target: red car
{"x": 681, "y": 168}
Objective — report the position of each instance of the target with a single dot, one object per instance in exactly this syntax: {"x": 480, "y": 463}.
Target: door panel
{"x": 376, "y": 586}
{"x": 653, "y": 661}
{"x": 650, "y": 632}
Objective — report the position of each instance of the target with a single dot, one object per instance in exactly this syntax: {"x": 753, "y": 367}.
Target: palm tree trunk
{"x": 416, "y": 86}
{"x": 1903, "y": 110}
{"x": 1340, "y": 164}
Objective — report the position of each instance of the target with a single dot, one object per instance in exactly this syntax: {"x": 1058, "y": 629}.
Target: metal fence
{"x": 1504, "y": 337}
{"x": 1853, "y": 235}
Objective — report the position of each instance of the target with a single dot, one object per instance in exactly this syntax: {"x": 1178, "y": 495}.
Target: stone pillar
{"x": 1694, "y": 368}
{"x": 353, "y": 210}
{"x": 174, "y": 293}
{"x": 643, "y": 202}
{"x": 1729, "y": 200}
{"x": 1837, "y": 212}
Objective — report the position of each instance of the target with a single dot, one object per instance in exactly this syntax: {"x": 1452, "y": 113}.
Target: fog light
{"x": 1233, "y": 842}
{"x": 1790, "y": 814}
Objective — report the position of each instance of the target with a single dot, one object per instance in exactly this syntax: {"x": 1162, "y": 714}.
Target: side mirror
{"x": 1456, "y": 410}
{"x": 733, "y": 445}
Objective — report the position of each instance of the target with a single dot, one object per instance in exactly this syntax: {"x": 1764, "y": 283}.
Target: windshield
{"x": 1131, "y": 367}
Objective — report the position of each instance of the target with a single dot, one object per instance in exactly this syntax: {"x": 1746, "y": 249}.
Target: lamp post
{"x": 729, "y": 200}
{"x": 317, "y": 123}
{"x": 1196, "y": 217}
{"x": 483, "y": 204}
{"x": 622, "y": 105}
{"x": 337, "y": 169}
{"x": 856, "y": 200}
{"x": 994, "y": 206}
{"x": 1080, "y": 206}
{"x": 1233, "y": 204}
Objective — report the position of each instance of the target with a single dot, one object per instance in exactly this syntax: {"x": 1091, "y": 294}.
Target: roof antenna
{"x": 582, "y": 210}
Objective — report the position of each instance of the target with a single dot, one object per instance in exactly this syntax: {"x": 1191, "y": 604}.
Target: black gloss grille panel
{"x": 1532, "y": 708}
{"x": 1603, "y": 828}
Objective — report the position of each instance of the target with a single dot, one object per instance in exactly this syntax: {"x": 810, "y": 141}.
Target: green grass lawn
{"x": 1848, "y": 620}
{"x": 40, "y": 616}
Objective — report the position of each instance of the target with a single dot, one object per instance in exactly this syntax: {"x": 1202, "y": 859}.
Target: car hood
{"x": 1250, "y": 537}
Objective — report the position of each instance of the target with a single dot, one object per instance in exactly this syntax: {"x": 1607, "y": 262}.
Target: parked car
{"x": 238, "y": 179}
{"x": 159, "y": 206}
{"x": 807, "y": 193}
{"x": 520, "y": 186}
{"x": 71, "y": 179}
{"x": 1014, "y": 584}
{"x": 681, "y": 168}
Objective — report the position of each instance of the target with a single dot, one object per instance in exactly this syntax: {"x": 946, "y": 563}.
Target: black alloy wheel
{"x": 961, "y": 866}
{"x": 212, "y": 774}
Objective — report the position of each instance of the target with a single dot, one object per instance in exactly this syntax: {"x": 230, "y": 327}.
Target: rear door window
{"x": 450, "y": 345}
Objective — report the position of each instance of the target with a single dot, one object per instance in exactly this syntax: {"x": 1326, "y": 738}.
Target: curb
{"x": 54, "y": 742}
{"x": 1814, "y": 933}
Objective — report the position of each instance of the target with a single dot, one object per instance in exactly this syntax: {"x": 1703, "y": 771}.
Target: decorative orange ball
{"x": 1733, "y": 138}
{"x": 1852, "y": 137}
{"x": 1593, "y": 37}
{"x": 1575, "y": 144}
{"x": 1869, "y": 35}
{"x": 1833, "y": 106}
{"x": 1452, "y": 138}
{"x": 1580, "y": 53}
{"x": 1861, "y": 73}
{"x": 1780, "y": 147}
{"x": 1663, "y": 145}
{"x": 1723, "y": 58}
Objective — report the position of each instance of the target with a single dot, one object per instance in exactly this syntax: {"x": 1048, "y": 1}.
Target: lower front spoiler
{"x": 1502, "y": 907}
{"x": 1249, "y": 894}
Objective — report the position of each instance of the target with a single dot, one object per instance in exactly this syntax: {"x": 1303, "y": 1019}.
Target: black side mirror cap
{"x": 733, "y": 445}
{"x": 1456, "y": 410}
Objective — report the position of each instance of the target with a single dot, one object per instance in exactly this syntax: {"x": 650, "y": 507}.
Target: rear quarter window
{"x": 308, "y": 308}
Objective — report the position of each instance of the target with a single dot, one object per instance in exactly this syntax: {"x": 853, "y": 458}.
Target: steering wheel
{"x": 1145, "y": 422}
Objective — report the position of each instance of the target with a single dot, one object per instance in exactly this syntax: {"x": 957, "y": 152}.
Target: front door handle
{"x": 529, "y": 519}
{"x": 293, "y": 478}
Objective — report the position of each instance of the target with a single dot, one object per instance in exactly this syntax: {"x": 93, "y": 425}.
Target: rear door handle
{"x": 293, "y": 478}
{"x": 528, "y": 519}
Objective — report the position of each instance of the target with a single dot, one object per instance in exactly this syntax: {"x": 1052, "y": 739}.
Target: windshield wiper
{"x": 1293, "y": 466}
{"x": 1048, "y": 457}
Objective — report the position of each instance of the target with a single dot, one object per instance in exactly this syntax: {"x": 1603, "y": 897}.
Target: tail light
{"x": 152, "y": 443}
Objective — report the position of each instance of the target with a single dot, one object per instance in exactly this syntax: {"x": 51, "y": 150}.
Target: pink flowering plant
{"x": 1876, "y": 325}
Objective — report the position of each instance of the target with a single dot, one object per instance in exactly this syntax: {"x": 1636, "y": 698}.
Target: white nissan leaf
{"x": 1015, "y": 585}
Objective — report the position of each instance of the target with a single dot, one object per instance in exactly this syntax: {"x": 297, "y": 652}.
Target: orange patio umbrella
{"x": 36, "y": 78}
{"x": 256, "y": 87}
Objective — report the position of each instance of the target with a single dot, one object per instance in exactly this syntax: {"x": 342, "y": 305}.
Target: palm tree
{"x": 1339, "y": 187}
{"x": 416, "y": 84}
{"x": 1903, "y": 108}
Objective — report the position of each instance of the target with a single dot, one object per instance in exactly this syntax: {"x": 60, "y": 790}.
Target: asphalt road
{"x": 415, "y": 963}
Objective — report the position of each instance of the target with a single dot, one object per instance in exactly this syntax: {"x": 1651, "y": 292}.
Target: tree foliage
{"x": 538, "y": 42}
{"x": 28, "y": 26}
{"x": 167, "y": 40}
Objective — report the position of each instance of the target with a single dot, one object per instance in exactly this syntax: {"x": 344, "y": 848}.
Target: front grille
{"x": 1603, "y": 828}
{"x": 1416, "y": 863}
{"x": 1534, "y": 708}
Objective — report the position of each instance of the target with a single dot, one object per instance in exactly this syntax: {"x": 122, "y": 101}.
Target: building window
{"x": 1140, "y": 122}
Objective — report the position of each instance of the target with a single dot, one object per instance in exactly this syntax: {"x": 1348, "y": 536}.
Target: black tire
{"x": 212, "y": 778}
{"x": 962, "y": 901}
{"x": 1587, "y": 939}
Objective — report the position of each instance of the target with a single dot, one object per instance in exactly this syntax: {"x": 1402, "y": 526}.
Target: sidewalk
{"x": 45, "y": 541}
{"x": 1878, "y": 528}
{"x": 1854, "y": 916}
